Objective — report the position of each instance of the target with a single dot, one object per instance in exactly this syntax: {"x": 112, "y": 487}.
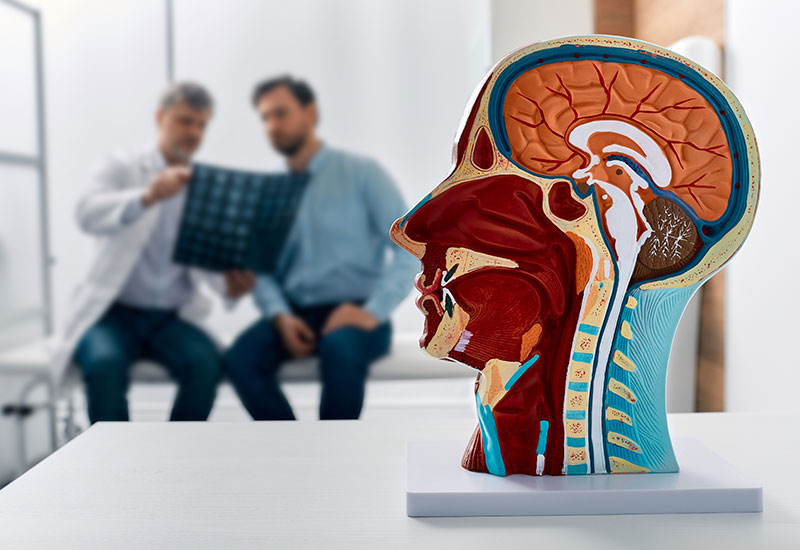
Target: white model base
{"x": 437, "y": 485}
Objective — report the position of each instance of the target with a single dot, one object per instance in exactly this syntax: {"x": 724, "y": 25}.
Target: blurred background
{"x": 79, "y": 78}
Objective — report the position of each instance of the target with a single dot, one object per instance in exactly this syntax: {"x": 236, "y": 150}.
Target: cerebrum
{"x": 546, "y": 104}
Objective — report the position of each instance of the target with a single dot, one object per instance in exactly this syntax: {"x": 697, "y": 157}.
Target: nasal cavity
{"x": 482, "y": 153}
{"x": 563, "y": 204}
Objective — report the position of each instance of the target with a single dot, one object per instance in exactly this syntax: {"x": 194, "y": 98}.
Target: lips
{"x": 429, "y": 301}
{"x": 432, "y": 291}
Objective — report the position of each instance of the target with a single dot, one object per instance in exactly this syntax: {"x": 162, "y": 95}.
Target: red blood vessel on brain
{"x": 597, "y": 182}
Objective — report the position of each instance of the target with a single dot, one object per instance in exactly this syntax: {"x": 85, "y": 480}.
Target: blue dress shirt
{"x": 336, "y": 250}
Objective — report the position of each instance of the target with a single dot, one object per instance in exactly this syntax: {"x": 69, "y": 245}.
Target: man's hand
{"x": 297, "y": 336}
{"x": 238, "y": 283}
{"x": 166, "y": 184}
{"x": 349, "y": 315}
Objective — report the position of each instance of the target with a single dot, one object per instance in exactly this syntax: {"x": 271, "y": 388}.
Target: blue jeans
{"x": 345, "y": 354}
{"x": 125, "y": 334}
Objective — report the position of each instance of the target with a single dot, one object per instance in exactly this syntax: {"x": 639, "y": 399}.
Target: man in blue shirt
{"x": 333, "y": 289}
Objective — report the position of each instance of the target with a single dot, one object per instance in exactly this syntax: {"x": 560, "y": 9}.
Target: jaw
{"x": 448, "y": 333}
{"x": 496, "y": 314}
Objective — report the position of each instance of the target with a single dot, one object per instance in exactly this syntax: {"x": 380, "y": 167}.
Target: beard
{"x": 182, "y": 152}
{"x": 290, "y": 146}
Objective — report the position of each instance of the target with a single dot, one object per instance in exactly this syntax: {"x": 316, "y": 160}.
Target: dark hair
{"x": 301, "y": 91}
{"x": 191, "y": 93}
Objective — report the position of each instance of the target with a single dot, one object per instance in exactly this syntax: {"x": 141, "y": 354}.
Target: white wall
{"x": 17, "y": 81}
{"x": 517, "y": 23}
{"x": 761, "y": 68}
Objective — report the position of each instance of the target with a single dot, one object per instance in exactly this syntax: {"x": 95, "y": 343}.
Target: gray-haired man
{"x": 135, "y": 302}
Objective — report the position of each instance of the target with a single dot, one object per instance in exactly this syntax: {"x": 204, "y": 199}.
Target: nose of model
{"x": 400, "y": 237}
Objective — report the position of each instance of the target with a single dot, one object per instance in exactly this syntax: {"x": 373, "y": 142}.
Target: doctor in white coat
{"x": 136, "y": 303}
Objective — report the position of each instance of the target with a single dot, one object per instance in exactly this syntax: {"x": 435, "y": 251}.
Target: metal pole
{"x": 43, "y": 202}
{"x": 170, "y": 41}
{"x": 20, "y": 6}
{"x": 16, "y": 158}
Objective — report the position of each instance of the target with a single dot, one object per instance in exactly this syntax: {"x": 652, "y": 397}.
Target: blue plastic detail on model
{"x": 576, "y": 442}
{"x": 541, "y": 447}
{"x": 653, "y": 321}
{"x": 416, "y": 207}
{"x": 520, "y": 371}
{"x": 582, "y": 357}
{"x": 579, "y": 386}
{"x": 491, "y": 443}
{"x": 577, "y": 469}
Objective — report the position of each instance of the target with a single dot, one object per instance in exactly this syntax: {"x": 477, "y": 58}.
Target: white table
{"x": 342, "y": 484}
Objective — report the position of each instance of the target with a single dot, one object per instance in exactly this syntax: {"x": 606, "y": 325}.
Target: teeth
{"x": 448, "y": 303}
{"x": 449, "y": 274}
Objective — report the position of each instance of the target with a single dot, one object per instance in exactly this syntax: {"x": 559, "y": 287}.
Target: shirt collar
{"x": 156, "y": 159}
{"x": 160, "y": 161}
{"x": 318, "y": 159}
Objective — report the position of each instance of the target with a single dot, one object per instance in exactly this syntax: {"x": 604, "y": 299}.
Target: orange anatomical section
{"x": 545, "y": 104}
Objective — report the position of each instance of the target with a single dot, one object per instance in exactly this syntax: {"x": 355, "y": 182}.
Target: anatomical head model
{"x": 597, "y": 182}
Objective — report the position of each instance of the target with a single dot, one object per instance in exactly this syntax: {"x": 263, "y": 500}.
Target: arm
{"x": 269, "y": 297}
{"x": 108, "y": 205}
{"x": 385, "y": 205}
{"x": 230, "y": 285}
{"x": 112, "y": 204}
{"x": 297, "y": 336}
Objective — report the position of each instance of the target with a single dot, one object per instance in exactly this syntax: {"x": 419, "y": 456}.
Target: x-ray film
{"x": 237, "y": 220}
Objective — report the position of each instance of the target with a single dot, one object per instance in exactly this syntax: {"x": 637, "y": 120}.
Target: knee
{"x": 257, "y": 345}
{"x": 205, "y": 365}
{"x": 340, "y": 348}
{"x": 100, "y": 360}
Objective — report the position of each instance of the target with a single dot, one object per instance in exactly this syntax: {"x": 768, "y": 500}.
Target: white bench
{"x": 29, "y": 366}
{"x": 31, "y": 362}
{"x": 405, "y": 361}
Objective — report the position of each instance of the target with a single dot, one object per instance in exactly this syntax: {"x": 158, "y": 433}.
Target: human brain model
{"x": 597, "y": 182}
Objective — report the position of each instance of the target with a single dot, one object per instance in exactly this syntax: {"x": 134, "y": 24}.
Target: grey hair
{"x": 191, "y": 93}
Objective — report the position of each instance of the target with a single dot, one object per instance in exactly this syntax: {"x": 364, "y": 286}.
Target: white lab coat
{"x": 122, "y": 177}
